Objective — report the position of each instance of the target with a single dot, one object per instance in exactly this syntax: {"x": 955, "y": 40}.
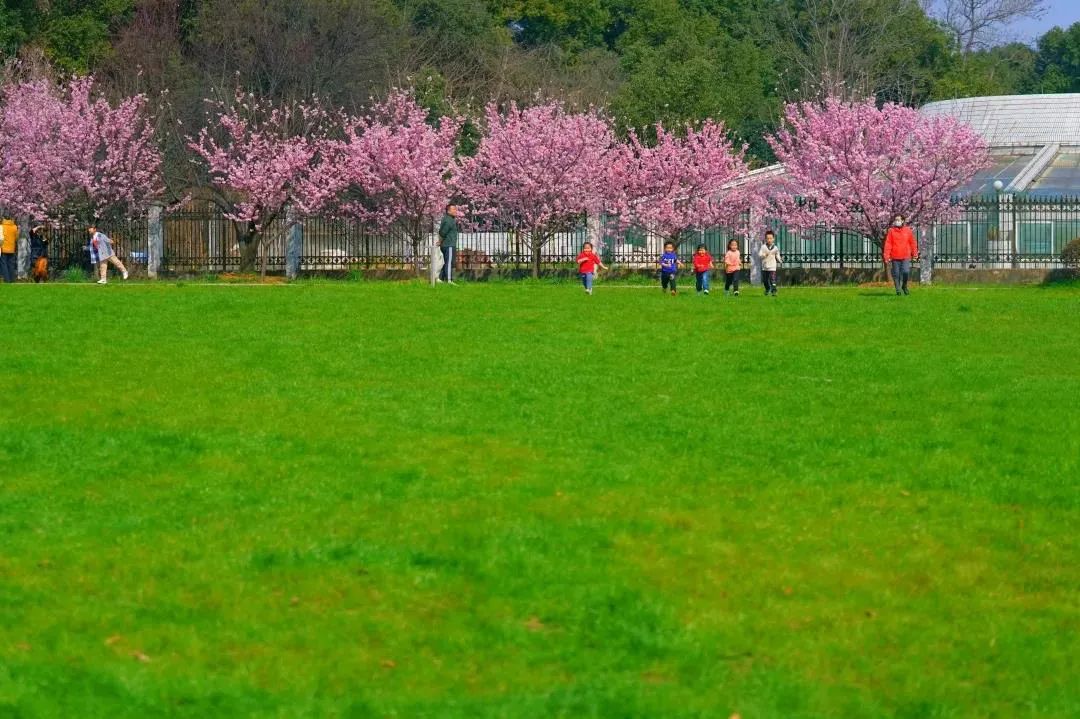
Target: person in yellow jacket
{"x": 9, "y": 249}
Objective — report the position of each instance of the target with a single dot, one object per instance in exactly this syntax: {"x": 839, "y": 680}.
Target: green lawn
{"x": 513, "y": 500}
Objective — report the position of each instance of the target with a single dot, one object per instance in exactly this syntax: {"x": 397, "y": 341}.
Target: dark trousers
{"x": 768, "y": 278}
{"x": 731, "y": 281}
{"x": 667, "y": 280}
{"x": 7, "y": 266}
{"x": 901, "y": 271}
{"x": 447, "y": 273}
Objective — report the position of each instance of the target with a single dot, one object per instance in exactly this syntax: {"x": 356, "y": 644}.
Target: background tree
{"x": 684, "y": 183}
{"x": 269, "y": 162}
{"x": 978, "y": 24}
{"x": 283, "y": 50}
{"x": 855, "y": 166}
{"x": 852, "y": 49}
{"x": 67, "y": 153}
{"x": 1002, "y": 70}
{"x": 1058, "y": 62}
{"x": 401, "y": 164}
{"x": 538, "y": 170}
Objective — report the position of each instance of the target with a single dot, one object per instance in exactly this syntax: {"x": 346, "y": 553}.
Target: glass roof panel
{"x": 1061, "y": 177}
{"x": 1003, "y": 167}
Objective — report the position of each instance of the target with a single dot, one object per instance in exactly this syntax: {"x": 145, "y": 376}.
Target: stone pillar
{"x": 927, "y": 250}
{"x": 155, "y": 241}
{"x": 294, "y": 245}
{"x": 213, "y": 245}
{"x": 22, "y": 249}
{"x": 753, "y": 245}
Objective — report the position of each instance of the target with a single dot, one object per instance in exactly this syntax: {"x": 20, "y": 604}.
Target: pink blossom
{"x": 684, "y": 183}
{"x": 401, "y": 165}
{"x": 68, "y": 154}
{"x": 538, "y": 170}
{"x": 855, "y": 166}
{"x": 271, "y": 157}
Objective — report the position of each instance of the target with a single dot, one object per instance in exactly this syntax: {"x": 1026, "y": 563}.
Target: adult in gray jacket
{"x": 448, "y": 237}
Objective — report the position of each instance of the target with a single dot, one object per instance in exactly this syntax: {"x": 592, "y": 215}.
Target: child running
{"x": 703, "y": 266}
{"x": 101, "y": 252}
{"x": 588, "y": 262}
{"x": 669, "y": 266}
{"x": 770, "y": 258}
{"x": 732, "y": 267}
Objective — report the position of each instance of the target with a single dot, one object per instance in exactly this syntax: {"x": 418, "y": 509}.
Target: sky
{"x": 1058, "y": 12}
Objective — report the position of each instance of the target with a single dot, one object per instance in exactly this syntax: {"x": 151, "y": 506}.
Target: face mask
{"x": 898, "y": 223}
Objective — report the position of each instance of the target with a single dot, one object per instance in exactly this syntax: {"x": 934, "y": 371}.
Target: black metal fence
{"x": 992, "y": 232}
{"x": 69, "y": 246}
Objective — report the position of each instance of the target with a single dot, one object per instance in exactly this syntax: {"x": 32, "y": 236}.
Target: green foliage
{"x": 1070, "y": 254}
{"x": 1005, "y": 70}
{"x": 681, "y": 67}
{"x": 1059, "y": 60}
{"x": 574, "y": 25}
{"x": 381, "y": 499}
{"x": 17, "y": 20}
{"x": 74, "y": 274}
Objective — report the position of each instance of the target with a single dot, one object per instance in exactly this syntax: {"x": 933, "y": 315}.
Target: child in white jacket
{"x": 770, "y": 259}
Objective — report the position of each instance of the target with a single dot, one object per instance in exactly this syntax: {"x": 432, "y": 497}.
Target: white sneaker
{"x": 439, "y": 281}
{"x": 102, "y": 282}
{"x": 125, "y": 275}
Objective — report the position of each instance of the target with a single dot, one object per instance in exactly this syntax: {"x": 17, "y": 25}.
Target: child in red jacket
{"x": 588, "y": 262}
{"x": 703, "y": 265}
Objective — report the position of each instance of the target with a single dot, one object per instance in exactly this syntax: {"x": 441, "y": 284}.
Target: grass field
{"x": 383, "y": 500}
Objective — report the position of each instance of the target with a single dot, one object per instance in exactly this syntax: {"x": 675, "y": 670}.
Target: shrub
{"x": 74, "y": 274}
{"x": 1070, "y": 255}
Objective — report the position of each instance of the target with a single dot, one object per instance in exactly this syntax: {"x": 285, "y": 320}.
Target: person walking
{"x": 39, "y": 254}
{"x": 9, "y": 249}
{"x": 101, "y": 253}
{"x": 770, "y": 258}
{"x": 900, "y": 249}
{"x": 448, "y": 237}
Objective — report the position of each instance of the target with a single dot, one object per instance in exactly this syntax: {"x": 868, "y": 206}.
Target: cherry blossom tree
{"x": 855, "y": 166}
{"x": 400, "y": 165}
{"x": 538, "y": 170}
{"x": 67, "y": 153}
{"x": 270, "y": 162}
{"x": 685, "y": 183}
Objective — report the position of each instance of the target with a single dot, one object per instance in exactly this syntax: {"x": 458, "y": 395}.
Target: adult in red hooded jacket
{"x": 900, "y": 249}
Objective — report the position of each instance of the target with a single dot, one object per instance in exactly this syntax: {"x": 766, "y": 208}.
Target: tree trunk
{"x": 536, "y": 247}
{"x": 249, "y": 250}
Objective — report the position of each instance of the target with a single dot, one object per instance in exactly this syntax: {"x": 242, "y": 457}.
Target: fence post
{"x": 927, "y": 251}
{"x": 22, "y": 248}
{"x": 155, "y": 241}
{"x": 753, "y": 246}
{"x": 294, "y": 245}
